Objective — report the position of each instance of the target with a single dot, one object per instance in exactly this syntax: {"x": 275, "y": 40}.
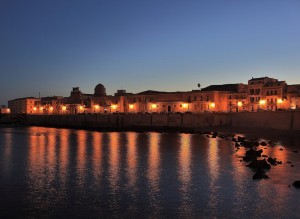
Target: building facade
{"x": 267, "y": 94}
{"x": 26, "y": 105}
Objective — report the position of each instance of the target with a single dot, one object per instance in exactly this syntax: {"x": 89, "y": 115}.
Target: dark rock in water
{"x": 249, "y": 144}
{"x": 264, "y": 155}
{"x": 280, "y": 149}
{"x": 260, "y": 175}
{"x": 252, "y": 154}
{"x": 295, "y": 151}
{"x": 207, "y": 136}
{"x": 241, "y": 139}
{"x": 292, "y": 165}
{"x": 263, "y": 143}
{"x": 296, "y": 184}
{"x": 272, "y": 161}
{"x": 233, "y": 139}
{"x": 259, "y": 164}
{"x": 214, "y": 135}
{"x": 237, "y": 145}
{"x": 289, "y": 162}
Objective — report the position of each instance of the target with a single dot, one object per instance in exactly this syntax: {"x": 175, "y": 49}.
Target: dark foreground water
{"x": 51, "y": 173}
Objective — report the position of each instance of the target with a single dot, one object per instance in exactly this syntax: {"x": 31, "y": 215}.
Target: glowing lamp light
{"x": 51, "y": 108}
{"x": 64, "y": 108}
{"x": 8, "y": 110}
{"x": 114, "y": 106}
{"x": 185, "y": 105}
{"x": 213, "y": 105}
{"x": 154, "y": 106}
{"x": 34, "y": 108}
{"x": 41, "y": 108}
{"x": 280, "y": 101}
{"x": 239, "y": 104}
{"x": 81, "y": 107}
{"x": 130, "y": 106}
{"x": 96, "y": 107}
{"x": 262, "y": 102}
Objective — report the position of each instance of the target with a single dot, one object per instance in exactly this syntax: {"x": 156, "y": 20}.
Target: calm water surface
{"x": 51, "y": 173}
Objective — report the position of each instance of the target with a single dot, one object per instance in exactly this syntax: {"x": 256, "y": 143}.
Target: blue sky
{"x": 52, "y": 46}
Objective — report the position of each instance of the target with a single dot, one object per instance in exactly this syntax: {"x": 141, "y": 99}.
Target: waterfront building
{"x": 293, "y": 96}
{"x": 4, "y": 110}
{"x": 48, "y": 105}
{"x": 25, "y": 105}
{"x": 264, "y": 93}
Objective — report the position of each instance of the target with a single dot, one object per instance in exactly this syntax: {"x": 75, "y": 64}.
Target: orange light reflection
{"x": 131, "y": 158}
{"x": 97, "y": 156}
{"x": 184, "y": 172}
{"x": 154, "y": 170}
{"x": 114, "y": 161}
{"x": 81, "y": 156}
{"x": 214, "y": 168}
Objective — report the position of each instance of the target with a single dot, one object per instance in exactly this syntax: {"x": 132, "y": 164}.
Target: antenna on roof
{"x": 199, "y": 85}
{"x": 39, "y": 95}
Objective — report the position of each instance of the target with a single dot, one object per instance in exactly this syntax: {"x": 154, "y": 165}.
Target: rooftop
{"x": 222, "y": 87}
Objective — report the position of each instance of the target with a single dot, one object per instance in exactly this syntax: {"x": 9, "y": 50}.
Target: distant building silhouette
{"x": 262, "y": 93}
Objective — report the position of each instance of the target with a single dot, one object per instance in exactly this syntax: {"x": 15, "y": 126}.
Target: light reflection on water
{"x": 213, "y": 166}
{"x": 48, "y": 172}
{"x": 184, "y": 172}
{"x": 153, "y": 172}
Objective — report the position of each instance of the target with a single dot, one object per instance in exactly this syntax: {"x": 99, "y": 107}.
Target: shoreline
{"x": 261, "y": 133}
{"x": 269, "y": 125}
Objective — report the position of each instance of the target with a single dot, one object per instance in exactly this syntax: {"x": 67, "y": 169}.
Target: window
{"x": 195, "y": 98}
{"x": 275, "y": 92}
{"x": 201, "y": 98}
{"x": 207, "y": 98}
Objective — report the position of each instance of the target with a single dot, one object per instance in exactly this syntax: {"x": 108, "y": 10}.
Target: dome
{"x": 100, "y": 90}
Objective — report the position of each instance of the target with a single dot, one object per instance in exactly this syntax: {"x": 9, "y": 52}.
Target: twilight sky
{"x": 51, "y": 46}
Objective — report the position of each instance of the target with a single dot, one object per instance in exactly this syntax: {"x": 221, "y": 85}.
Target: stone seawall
{"x": 286, "y": 120}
